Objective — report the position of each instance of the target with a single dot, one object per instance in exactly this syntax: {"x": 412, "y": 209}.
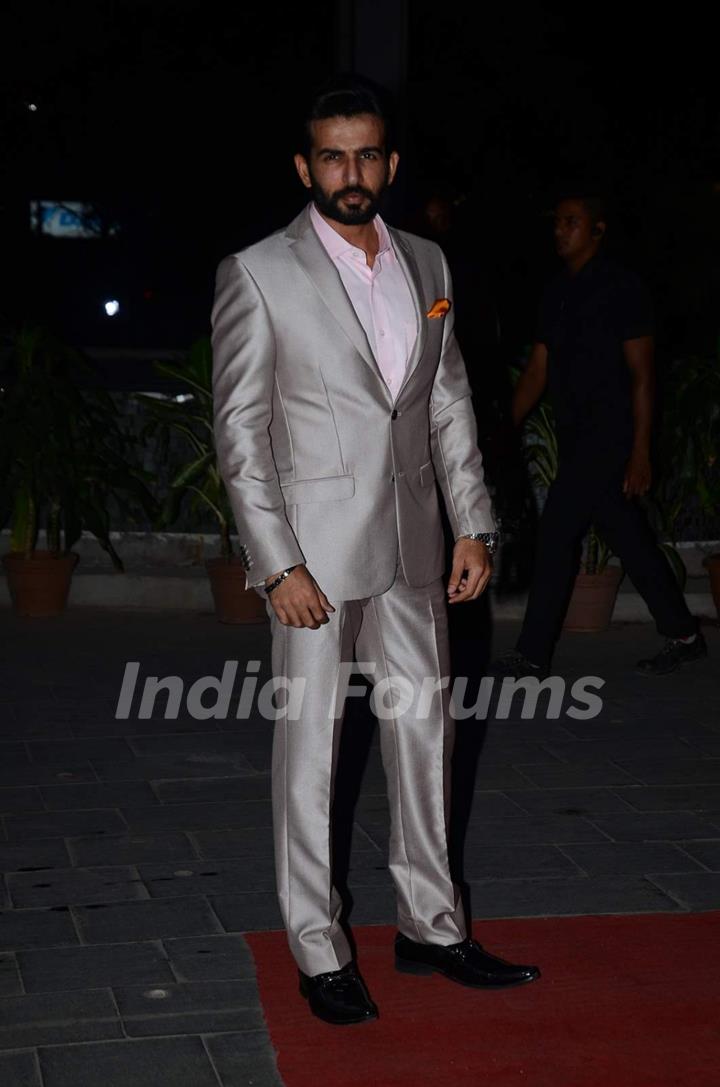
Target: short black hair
{"x": 348, "y": 96}
{"x": 595, "y": 203}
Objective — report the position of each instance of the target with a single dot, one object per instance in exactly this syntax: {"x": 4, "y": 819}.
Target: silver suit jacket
{"x": 321, "y": 466}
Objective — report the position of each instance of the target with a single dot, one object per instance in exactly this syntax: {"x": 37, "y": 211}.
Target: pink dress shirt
{"x": 379, "y": 295}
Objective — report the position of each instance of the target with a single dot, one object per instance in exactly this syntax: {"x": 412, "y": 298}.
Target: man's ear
{"x": 302, "y": 168}
{"x": 393, "y": 160}
{"x": 599, "y": 229}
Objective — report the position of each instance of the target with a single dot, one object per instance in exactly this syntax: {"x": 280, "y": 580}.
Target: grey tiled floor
{"x": 136, "y": 851}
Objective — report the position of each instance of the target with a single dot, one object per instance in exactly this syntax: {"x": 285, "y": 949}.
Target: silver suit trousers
{"x": 403, "y": 632}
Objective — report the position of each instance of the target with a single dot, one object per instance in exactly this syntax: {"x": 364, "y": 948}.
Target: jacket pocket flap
{"x": 427, "y": 474}
{"x": 322, "y": 489}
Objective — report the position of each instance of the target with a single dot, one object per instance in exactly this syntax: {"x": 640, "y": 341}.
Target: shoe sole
{"x": 672, "y": 671}
{"x": 423, "y": 969}
{"x": 342, "y": 1023}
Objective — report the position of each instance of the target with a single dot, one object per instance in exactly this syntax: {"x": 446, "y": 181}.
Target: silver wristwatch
{"x": 490, "y": 539}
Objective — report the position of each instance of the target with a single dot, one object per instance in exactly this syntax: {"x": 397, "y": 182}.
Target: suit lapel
{"x": 409, "y": 265}
{"x": 310, "y": 254}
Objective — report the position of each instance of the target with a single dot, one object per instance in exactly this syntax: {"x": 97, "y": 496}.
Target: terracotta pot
{"x": 593, "y": 599}
{"x": 233, "y": 602}
{"x": 712, "y": 564}
{"x": 39, "y": 584}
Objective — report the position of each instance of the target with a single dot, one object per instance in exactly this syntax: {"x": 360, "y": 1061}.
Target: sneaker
{"x": 673, "y": 655}
{"x": 516, "y": 666}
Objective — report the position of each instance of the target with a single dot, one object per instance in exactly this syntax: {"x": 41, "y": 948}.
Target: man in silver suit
{"x": 341, "y": 397}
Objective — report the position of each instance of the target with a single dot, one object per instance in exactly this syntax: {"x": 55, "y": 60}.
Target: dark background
{"x": 175, "y": 119}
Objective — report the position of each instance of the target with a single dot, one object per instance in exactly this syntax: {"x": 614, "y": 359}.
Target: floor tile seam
{"x": 157, "y": 983}
{"x": 578, "y": 789}
{"x": 210, "y": 1059}
{"x": 618, "y": 766}
{"x": 681, "y": 846}
{"x": 197, "y": 983}
{"x": 522, "y": 767}
{"x": 127, "y": 1041}
{"x": 557, "y": 758}
{"x": 12, "y": 954}
{"x": 160, "y": 1017}
{"x": 70, "y": 906}
{"x": 59, "y": 1024}
{"x": 69, "y": 811}
{"x": 588, "y": 819}
{"x": 559, "y": 847}
{"x": 663, "y": 811}
{"x": 170, "y": 804}
{"x": 368, "y": 836}
{"x": 72, "y": 903}
{"x": 510, "y": 880}
{"x": 616, "y": 911}
{"x": 57, "y": 992}
{"x": 577, "y": 880}
{"x": 75, "y": 868}
{"x": 643, "y": 841}
{"x": 124, "y": 1037}
{"x": 30, "y": 1051}
{"x": 194, "y": 845}
{"x": 77, "y": 926}
{"x": 617, "y": 790}
{"x": 127, "y": 830}
{"x": 685, "y": 906}
{"x": 673, "y": 909}
{"x": 246, "y": 773}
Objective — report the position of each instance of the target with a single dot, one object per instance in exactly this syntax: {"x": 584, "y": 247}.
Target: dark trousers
{"x": 588, "y": 488}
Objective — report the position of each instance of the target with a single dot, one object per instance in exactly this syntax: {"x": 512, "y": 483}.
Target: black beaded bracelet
{"x": 281, "y": 577}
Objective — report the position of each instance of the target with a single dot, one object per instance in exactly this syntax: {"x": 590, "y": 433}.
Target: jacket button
{"x": 394, "y": 414}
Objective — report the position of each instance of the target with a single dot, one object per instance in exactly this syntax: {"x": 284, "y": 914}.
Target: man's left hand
{"x": 471, "y": 570}
{"x": 638, "y": 475}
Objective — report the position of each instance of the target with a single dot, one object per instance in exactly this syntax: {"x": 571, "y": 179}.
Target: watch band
{"x": 490, "y": 539}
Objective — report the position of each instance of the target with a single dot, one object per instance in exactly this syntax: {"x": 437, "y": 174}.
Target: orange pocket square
{"x": 439, "y": 308}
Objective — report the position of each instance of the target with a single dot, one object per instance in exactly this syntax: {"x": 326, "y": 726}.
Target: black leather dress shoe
{"x": 466, "y": 963}
{"x": 339, "y": 996}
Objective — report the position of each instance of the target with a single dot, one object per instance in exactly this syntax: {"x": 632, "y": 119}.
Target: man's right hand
{"x": 299, "y": 601}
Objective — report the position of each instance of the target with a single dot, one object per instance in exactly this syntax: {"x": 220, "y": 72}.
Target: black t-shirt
{"x": 584, "y": 320}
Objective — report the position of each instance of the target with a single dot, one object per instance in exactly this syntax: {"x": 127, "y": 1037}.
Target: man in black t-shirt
{"x": 594, "y": 352}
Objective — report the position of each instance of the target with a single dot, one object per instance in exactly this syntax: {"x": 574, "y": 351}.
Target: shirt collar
{"x": 597, "y": 260}
{"x": 336, "y": 246}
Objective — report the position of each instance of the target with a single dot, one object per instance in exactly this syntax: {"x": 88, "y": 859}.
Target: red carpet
{"x": 631, "y": 1001}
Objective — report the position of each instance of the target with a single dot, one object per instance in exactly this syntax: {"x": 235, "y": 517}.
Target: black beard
{"x": 330, "y": 206}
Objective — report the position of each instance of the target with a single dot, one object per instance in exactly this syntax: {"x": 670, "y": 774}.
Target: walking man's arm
{"x": 531, "y": 384}
{"x": 639, "y": 358}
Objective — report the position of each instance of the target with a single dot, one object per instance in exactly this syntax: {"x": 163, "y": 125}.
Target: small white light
{"x": 112, "y": 306}
{"x": 32, "y": 107}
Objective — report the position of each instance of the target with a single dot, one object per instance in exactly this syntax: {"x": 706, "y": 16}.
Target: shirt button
{"x": 382, "y": 331}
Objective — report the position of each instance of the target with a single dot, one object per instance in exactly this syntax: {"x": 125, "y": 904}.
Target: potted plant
{"x": 198, "y": 480}
{"x": 65, "y": 461}
{"x": 688, "y": 487}
{"x": 596, "y": 585}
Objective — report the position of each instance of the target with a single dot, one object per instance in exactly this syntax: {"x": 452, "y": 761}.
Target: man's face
{"x": 348, "y": 169}
{"x": 573, "y": 227}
